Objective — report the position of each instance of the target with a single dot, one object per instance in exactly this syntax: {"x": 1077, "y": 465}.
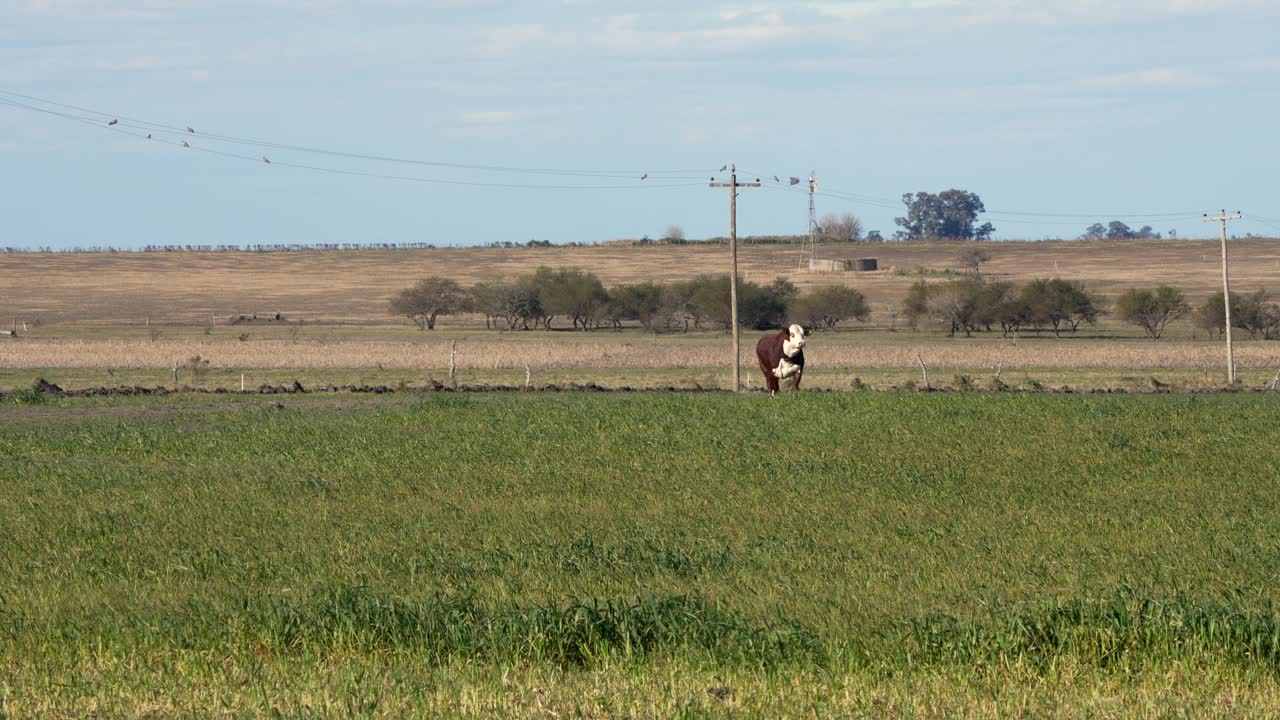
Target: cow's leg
{"x": 770, "y": 380}
{"x": 795, "y": 380}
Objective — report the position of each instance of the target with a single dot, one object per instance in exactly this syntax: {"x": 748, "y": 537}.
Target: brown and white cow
{"x": 781, "y": 356}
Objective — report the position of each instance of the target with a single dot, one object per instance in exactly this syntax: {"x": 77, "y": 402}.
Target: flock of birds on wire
{"x": 791, "y": 181}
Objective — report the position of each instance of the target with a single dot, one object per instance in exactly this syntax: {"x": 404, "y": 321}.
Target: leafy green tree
{"x": 515, "y": 304}
{"x": 641, "y": 302}
{"x": 915, "y": 306}
{"x": 572, "y": 292}
{"x": 759, "y": 306}
{"x": 1210, "y": 316}
{"x": 958, "y": 305}
{"x": 1096, "y": 231}
{"x": 1006, "y": 308}
{"x": 949, "y": 215}
{"x": 1117, "y": 230}
{"x": 428, "y": 299}
{"x": 874, "y": 237}
{"x": 1152, "y": 310}
{"x": 828, "y": 306}
{"x": 678, "y": 310}
{"x": 1060, "y": 304}
{"x": 1255, "y": 315}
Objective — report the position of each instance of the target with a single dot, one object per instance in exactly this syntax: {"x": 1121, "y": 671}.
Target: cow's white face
{"x": 794, "y": 342}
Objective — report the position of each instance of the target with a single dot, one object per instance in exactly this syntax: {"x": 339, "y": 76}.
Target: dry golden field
{"x": 90, "y": 312}
{"x": 353, "y": 286}
{"x": 602, "y": 350}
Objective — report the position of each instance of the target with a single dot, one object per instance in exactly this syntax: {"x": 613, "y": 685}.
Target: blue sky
{"x": 1099, "y": 109}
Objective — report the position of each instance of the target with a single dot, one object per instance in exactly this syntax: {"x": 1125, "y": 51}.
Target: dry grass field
{"x": 89, "y": 312}
{"x": 355, "y": 285}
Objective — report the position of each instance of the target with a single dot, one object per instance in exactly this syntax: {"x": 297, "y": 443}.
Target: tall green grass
{"x": 861, "y": 535}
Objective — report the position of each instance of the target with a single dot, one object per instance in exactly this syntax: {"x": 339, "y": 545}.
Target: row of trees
{"x": 1154, "y": 309}
{"x": 1117, "y": 230}
{"x": 538, "y": 299}
{"x": 972, "y": 305}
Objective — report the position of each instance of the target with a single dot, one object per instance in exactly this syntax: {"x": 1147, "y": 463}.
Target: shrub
{"x": 27, "y": 396}
{"x": 197, "y": 366}
{"x": 1152, "y": 310}
{"x": 1251, "y": 313}
{"x": 828, "y": 306}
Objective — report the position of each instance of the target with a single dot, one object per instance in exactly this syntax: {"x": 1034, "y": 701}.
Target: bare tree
{"x": 673, "y": 232}
{"x": 971, "y": 259}
{"x": 841, "y": 227}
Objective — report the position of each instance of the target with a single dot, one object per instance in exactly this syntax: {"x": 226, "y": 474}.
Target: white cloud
{"x": 1159, "y": 77}
{"x": 486, "y": 117}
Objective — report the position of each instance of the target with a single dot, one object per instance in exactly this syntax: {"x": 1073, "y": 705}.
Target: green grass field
{"x": 541, "y": 555}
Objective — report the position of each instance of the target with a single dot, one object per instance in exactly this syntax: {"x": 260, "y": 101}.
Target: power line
{"x": 134, "y": 131}
{"x": 155, "y": 127}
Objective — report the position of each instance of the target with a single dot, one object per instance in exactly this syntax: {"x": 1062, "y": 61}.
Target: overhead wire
{"x": 687, "y": 173}
{"x": 134, "y": 130}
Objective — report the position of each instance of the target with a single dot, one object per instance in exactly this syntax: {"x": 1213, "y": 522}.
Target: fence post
{"x": 528, "y": 377}
{"x": 924, "y": 370}
{"x": 453, "y": 364}
{"x": 241, "y": 382}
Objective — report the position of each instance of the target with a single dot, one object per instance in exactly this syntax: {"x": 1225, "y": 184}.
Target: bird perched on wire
{"x": 148, "y": 136}
{"x": 723, "y": 168}
{"x": 184, "y": 144}
{"x": 775, "y": 179}
{"x": 113, "y": 121}
{"x": 190, "y": 130}
{"x": 265, "y": 160}
{"x": 642, "y": 177}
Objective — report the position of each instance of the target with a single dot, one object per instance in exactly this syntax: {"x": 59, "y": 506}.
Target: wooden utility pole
{"x": 1223, "y": 217}
{"x": 733, "y": 186}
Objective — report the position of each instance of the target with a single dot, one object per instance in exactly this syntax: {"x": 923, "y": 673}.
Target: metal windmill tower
{"x": 809, "y": 245}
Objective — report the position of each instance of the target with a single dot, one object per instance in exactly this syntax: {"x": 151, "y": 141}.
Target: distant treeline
{"x": 265, "y": 247}
{"x": 535, "y": 300}
{"x": 505, "y": 245}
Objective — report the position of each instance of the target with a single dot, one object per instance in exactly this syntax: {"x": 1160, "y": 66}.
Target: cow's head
{"x": 794, "y": 342}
